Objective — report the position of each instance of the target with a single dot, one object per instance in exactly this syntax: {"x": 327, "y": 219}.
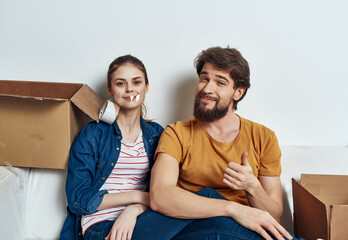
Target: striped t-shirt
{"x": 128, "y": 174}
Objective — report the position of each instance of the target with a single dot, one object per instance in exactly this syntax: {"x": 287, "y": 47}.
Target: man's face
{"x": 215, "y": 94}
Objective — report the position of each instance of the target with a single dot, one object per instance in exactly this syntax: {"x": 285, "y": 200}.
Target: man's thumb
{"x": 244, "y": 159}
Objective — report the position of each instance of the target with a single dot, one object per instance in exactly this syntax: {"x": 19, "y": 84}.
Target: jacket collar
{"x": 147, "y": 129}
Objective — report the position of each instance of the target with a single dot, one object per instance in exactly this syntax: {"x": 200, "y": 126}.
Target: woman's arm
{"x": 124, "y": 198}
{"x": 124, "y": 224}
{"x": 82, "y": 198}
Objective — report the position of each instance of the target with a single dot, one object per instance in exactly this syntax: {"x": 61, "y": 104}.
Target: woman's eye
{"x": 119, "y": 83}
{"x": 137, "y": 82}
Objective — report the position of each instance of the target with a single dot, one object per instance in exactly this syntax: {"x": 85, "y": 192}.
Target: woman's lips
{"x": 132, "y": 98}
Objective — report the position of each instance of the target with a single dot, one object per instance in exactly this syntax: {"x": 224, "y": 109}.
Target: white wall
{"x": 297, "y": 51}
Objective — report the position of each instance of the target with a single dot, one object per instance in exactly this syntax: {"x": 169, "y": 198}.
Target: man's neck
{"x": 225, "y": 129}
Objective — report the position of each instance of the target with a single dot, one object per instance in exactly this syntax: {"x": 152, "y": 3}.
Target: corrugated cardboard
{"x": 39, "y": 121}
{"x": 321, "y": 206}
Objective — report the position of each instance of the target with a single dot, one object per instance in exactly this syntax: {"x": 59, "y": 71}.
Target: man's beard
{"x": 209, "y": 115}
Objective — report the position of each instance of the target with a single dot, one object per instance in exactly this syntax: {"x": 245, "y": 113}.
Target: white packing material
{"x": 13, "y": 188}
{"x": 46, "y": 203}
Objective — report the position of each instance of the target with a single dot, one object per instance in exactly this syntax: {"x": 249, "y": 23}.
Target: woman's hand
{"x": 124, "y": 224}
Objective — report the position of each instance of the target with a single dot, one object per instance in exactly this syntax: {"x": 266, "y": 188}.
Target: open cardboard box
{"x": 39, "y": 121}
{"x": 321, "y": 207}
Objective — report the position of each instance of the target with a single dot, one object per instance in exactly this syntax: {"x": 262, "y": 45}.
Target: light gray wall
{"x": 297, "y": 51}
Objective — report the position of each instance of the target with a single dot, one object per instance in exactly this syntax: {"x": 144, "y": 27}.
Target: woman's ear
{"x": 109, "y": 90}
{"x": 147, "y": 88}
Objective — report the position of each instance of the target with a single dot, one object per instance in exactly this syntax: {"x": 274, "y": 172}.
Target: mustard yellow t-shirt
{"x": 203, "y": 160}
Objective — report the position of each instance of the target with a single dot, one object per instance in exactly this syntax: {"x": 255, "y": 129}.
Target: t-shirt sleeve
{"x": 171, "y": 142}
{"x": 270, "y": 156}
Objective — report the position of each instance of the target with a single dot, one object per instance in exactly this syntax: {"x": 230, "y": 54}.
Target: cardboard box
{"x": 321, "y": 207}
{"x": 39, "y": 121}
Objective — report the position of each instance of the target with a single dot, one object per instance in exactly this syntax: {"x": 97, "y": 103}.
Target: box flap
{"x": 88, "y": 101}
{"x": 338, "y": 222}
{"x": 330, "y": 189}
{"x": 31, "y": 97}
{"x": 310, "y": 218}
{"x": 39, "y": 89}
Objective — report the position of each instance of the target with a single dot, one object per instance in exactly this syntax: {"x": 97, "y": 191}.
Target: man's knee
{"x": 225, "y": 226}
{"x": 220, "y": 223}
{"x": 209, "y": 193}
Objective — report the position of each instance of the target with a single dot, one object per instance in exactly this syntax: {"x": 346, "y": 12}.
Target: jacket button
{"x": 79, "y": 234}
{"x": 149, "y": 140}
{"x": 119, "y": 137}
{"x": 103, "y": 178}
{"x": 112, "y": 164}
{"x": 117, "y": 149}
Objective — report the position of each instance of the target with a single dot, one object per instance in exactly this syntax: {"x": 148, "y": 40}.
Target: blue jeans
{"x": 156, "y": 226}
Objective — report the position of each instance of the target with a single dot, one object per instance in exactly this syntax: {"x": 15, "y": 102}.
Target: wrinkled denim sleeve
{"x": 82, "y": 197}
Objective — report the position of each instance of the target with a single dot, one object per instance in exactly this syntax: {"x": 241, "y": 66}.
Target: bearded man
{"x": 216, "y": 176}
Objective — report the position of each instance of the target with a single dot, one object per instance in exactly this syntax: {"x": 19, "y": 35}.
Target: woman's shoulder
{"x": 95, "y": 128}
{"x": 97, "y": 125}
{"x": 154, "y": 125}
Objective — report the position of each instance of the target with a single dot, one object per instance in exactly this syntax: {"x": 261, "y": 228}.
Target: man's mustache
{"x": 207, "y": 96}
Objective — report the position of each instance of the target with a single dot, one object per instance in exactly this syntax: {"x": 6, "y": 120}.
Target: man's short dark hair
{"x": 228, "y": 59}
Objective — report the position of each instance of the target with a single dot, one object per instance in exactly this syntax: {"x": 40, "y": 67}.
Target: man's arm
{"x": 268, "y": 196}
{"x": 264, "y": 193}
{"x": 167, "y": 198}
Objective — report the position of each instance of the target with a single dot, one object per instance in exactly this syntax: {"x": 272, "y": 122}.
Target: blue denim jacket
{"x": 93, "y": 156}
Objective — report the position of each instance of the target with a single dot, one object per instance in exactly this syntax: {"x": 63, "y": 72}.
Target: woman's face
{"x": 127, "y": 86}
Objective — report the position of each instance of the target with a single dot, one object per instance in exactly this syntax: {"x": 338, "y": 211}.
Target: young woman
{"x": 109, "y": 164}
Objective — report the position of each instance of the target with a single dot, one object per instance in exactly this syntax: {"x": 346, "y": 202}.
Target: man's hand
{"x": 263, "y": 193}
{"x": 124, "y": 224}
{"x": 240, "y": 176}
{"x": 261, "y": 222}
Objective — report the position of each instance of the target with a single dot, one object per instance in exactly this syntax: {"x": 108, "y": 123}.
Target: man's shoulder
{"x": 261, "y": 136}
{"x": 183, "y": 124}
{"x": 182, "y": 128}
{"x": 255, "y": 127}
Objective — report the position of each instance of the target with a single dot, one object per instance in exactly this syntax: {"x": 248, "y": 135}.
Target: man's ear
{"x": 238, "y": 93}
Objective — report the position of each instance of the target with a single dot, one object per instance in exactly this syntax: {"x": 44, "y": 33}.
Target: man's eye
{"x": 203, "y": 79}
